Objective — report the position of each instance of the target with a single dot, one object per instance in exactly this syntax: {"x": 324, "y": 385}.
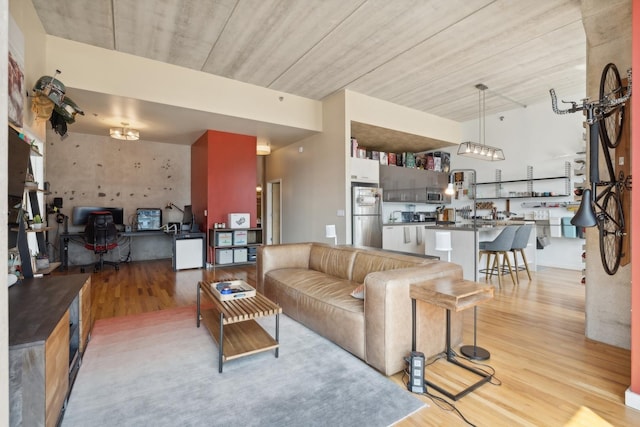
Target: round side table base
{"x": 474, "y": 352}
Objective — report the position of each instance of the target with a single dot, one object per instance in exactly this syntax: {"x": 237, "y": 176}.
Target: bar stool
{"x": 520, "y": 242}
{"x": 500, "y": 245}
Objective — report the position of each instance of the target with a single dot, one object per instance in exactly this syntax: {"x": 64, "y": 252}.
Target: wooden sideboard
{"x": 50, "y": 324}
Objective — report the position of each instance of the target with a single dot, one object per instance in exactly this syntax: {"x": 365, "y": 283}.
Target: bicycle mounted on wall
{"x": 601, "y": 204}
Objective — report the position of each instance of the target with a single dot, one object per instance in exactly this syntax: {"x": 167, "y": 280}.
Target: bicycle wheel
{"x": 611, "y": 231}
{"x": 613, "y": 118}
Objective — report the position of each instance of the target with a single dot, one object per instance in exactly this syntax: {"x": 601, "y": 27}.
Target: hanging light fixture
{"x": 480, "y": 150}
{"x": 262, "y": 147}
{"x": 125, "y": 133}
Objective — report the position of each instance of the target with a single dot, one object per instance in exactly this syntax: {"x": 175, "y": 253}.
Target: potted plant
{"x": 37, "y": 222}
{"x": 42, "y": 261}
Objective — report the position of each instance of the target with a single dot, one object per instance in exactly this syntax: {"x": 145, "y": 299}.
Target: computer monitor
{"x": 148, "y": 219}
{"x": 80, "y": 214}
{"x": 187, "y": 216}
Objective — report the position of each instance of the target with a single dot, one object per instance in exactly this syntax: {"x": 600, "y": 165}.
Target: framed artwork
{"x": 16, "y": 74}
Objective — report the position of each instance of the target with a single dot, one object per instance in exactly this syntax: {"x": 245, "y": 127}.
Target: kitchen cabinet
{"x": 404, "y": 238}
{"x": 365, "y": 170}
{"x": 412, "y": 185}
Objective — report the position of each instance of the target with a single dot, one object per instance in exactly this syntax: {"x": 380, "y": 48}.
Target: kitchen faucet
{"x": 393, "y": 218}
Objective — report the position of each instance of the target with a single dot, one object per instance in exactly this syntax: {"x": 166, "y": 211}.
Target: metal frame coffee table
{"x": 232, "y": 324}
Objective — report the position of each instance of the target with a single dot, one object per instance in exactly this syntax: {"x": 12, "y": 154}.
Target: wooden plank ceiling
{"x": 423, "y": 54}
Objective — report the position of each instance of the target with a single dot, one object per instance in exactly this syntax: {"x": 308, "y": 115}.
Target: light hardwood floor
{"x": 549, "y": 374}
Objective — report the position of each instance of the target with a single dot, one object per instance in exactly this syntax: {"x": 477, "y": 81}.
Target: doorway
{"x": 273, "y": 211}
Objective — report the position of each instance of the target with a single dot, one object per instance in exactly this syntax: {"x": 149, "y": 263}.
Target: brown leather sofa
{"x": 313, "y": 283}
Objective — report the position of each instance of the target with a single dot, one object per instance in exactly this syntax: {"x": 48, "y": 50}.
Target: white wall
{"x": 26, "y": 18}
{"x": 4, "y": 313}
{"x": 107, "y": 71}
{"x": 532, "y": 136}
{"x": 313, "y": 175}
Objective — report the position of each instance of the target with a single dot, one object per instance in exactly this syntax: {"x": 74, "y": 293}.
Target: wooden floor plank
{"x": 550, "y": 374}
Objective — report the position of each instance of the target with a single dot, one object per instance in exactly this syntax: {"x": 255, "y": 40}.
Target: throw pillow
{"x": 358, "y": 292}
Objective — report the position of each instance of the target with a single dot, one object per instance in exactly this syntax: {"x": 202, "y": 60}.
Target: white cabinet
{"x": 189, "y": 251}
{"x": 404, "y": 238}
{"x": 365, "y": 170}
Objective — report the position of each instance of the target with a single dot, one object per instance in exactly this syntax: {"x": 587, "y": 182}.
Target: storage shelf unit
{"x": 30, "y": 193}
{"x": 234, "y": 246}
{"x": 528, "y": 193}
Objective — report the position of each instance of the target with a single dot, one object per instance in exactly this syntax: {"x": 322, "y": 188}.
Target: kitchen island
{"x": 465, "y": 247}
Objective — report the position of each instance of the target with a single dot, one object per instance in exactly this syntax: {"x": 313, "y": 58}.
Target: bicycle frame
{"x": 601, "y": 205}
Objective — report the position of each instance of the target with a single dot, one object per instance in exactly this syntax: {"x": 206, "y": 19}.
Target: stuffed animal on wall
{"x": 51, "y": 103}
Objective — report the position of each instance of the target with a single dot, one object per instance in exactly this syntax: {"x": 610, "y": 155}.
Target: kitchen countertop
{"x": 480, "y": 226}
{"x": 409, "y": 223}
{"x": 462, "y": 226}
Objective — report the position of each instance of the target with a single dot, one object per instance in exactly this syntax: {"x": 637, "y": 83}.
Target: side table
{"x": 456, "y": 295}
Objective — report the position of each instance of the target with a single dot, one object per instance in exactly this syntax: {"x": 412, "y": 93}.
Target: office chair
{"x": 101, "y": 236}
{"x": 499, "y": 246}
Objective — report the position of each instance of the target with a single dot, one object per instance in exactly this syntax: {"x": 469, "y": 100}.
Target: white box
{"x": 239, "y": 237}
{"x": 224, "y": 238}
{"x": 238, "y": 220}
{"x": 224, "y": 256}
{"x": 240, "y": 255}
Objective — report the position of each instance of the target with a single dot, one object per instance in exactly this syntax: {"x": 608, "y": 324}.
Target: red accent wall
{"x": 199, "y": 179}
{"x": 223, "y": 177}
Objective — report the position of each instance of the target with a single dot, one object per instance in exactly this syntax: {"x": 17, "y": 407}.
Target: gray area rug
{"x": 158, "y": 369}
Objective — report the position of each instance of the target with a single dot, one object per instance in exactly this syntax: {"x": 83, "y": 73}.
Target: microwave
{"x": 434, "y": 196}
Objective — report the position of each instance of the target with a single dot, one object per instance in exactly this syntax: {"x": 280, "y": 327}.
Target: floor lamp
{"x": 473, "y": 352}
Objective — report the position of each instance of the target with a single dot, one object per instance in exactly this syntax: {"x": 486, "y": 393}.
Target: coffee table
{"x": 232, "y": 323}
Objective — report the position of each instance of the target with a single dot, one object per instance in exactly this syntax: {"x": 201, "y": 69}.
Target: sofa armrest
{"x": 273, "y": 257}
{"x": 387, "y": 310}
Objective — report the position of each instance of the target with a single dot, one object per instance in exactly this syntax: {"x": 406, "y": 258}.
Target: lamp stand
{"x": 473, "y": 352}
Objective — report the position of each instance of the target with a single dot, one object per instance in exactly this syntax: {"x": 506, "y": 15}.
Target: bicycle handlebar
{"x": 554, "y": 104}
{"x": 598, "y": 106}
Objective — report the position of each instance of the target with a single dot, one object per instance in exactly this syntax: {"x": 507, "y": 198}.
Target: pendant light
{"x": 481, "y": 150}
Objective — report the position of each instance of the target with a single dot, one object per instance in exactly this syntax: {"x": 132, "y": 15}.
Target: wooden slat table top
{"x": 242, "y": 309}
{"x": 452, "y": 294}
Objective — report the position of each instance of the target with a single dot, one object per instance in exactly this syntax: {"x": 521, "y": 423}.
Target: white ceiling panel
{"x": 423, "y": 54}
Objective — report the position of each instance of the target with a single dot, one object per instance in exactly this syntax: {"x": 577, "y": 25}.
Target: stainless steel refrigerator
{"x": 366, "y": 224}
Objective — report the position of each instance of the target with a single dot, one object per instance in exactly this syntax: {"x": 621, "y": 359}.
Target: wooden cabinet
{"x": 56, "y": 370}
{"x": 85, "y": 316}
{"x": 49, "y": 326}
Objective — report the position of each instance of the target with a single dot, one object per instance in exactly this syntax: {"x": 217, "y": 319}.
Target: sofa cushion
{"x": 332, "y": 290}
{"x": 370, "y": 261}
{"x": 322, "y": 303}
{"x": 331, "y": 260}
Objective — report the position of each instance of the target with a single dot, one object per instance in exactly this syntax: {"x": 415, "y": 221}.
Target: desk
{"x": 177, "y": 244}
